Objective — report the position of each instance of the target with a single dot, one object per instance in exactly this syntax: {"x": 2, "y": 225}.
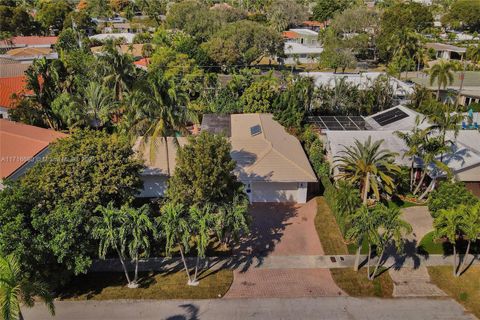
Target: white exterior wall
{"x": 470, "y": 175}
{"x": 278, "y": 192}
{"x": 154, "y": 186}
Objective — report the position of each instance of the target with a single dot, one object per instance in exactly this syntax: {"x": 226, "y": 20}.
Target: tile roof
{"x": 21, "y": 143}
{"x": 290, "y": 35}
{"x": 133, "y": 49}
{"x": 29, "y": 41}
{"x": 13, "y": 69}
{"x": 28, "y": 52}
{"x": 10, "y": 86}
{"x": 445, "y": 47}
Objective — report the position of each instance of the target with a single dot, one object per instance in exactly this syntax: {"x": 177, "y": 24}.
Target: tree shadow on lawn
{"x": 268, "y": 226}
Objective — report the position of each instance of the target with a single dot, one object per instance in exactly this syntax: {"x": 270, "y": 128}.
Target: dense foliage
{"x": 449, "y": 195}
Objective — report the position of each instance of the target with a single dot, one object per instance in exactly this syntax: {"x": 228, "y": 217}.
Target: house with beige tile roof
{"x": 271, "y": 163}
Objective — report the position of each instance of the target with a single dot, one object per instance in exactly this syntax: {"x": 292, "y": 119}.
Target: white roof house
{"x": 363, "y": 80}
{"x": 114, "y": 36}
{"x": 396, "y": 118}
{"x": 271, "y": 163}
{"x": 463, "y": 159}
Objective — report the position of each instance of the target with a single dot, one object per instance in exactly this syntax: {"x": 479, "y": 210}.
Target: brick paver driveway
{"x": 282, "y": 230}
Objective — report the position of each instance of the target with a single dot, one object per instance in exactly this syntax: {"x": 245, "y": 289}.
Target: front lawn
{"x": 465, "y": 289}
{"x": 164, "y": 285}
{"x": 353, "y": 283}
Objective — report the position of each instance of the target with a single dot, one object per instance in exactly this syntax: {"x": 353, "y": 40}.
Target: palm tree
{"x": 98, "y": 105}
{"x": 160, "y": 111}
{"x": 16, "y": 290}
{"x": 448, "y": 224}
{"x": 392, "y": 229}
{"x": 175, "y": 227}
{"x": 413, "y": 142}
{"x": 473, "y": 53}
{"x": 369, "y": 166}
{"x": 117, "y": 70}
{"x": 139, "y": 226}
{"x": 470, "y": 229}
{"x": 442, "y": 73}
{"x": 364, "y": 227}
{"x": 203, "y": 225}
{"x": 233, "y": 219}
{"x": 109, "y": 228}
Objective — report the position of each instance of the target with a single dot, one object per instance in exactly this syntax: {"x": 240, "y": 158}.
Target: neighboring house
{"x": 446, "y": 51}
{"x": 301, "y": 46}
{"x": 127, "y": 37}
{"x": 142, "y": 63}
{"x": 363, "y": 80}
{"x": 134, "y": 49}
{"x": 28, "y": 41}
{"x": 470, "y": 92}
{"x": 13, "y": 69}
{"x": 463, "y": 157}
{"x": 315, "y": 25}
{"x": 21, "y": 146}
{"x": 10, "y": 86}
{"x": 28, "y": 54}
{"x": 271, "y": 163}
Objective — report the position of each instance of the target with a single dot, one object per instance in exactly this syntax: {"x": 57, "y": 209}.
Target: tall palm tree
{"x": 448, "y": 224}
{"x": 413, "y": 141}
{"x": 391, "y": 229}
{"x": 233, "y": 219}
{"x": 470, "y": 230}
{"x": 16, "y": 290}
{"x": 109, "y": 228}
{"x": 203, "y": 225}
{"x": 98, "y": 105}
{"x": 140, "y": 227}
{"x": 369, "y": 166}
{"x": 364, "y": 227}
{"x": 176, "y": 230}
{"x": 442, "y": 73}
{"x": 160, "y": 111}
{"x": 116, "y": 69}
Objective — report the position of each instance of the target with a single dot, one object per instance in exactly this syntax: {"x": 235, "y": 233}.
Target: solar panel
{"x": 390, "y": 116}
{"x": 338, "y": 122}
{"x": 255, "y": 130}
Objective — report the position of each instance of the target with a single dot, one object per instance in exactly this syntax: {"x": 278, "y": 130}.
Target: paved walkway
{"x": 327, "y": 308}
{"x": 414, "y": 281}
{"x": 282, "y": 237}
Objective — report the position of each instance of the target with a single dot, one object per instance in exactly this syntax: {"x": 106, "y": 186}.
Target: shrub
{"x": 450, "y": 195}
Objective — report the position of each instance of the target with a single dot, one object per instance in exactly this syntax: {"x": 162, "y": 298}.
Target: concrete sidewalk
{"x": 281, "y": 262}
{"x": 328, "y": 308}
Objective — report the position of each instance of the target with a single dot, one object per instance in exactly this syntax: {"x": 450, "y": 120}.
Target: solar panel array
{"x": 338, "y": 123}
{"x": 390, "y": 116}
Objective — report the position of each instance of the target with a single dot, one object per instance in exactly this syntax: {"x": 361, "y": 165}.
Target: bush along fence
{"x": 315, "y": 152}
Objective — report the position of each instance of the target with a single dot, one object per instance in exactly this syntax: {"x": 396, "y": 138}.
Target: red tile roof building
{"x": 22, "y": 144}
{"x": 10, "y": 86}
{"x": 29, "y": 41}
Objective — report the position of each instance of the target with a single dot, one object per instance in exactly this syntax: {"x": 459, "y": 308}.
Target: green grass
{"x": 353, "y": 283}
{"x": 328, "y": 230}
{"x": 356, "y": 284}
{"x": 465, "y": 289}
{"x": 430, "y": 245}
{"x": 400, "y": 204}
{"x": 165, "y": 285}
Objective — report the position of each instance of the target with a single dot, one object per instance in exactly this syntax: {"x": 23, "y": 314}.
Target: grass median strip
{"x": 153, "y": 285}
{"x": 353, "y": 283}
{"x": 465, "y": 289}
